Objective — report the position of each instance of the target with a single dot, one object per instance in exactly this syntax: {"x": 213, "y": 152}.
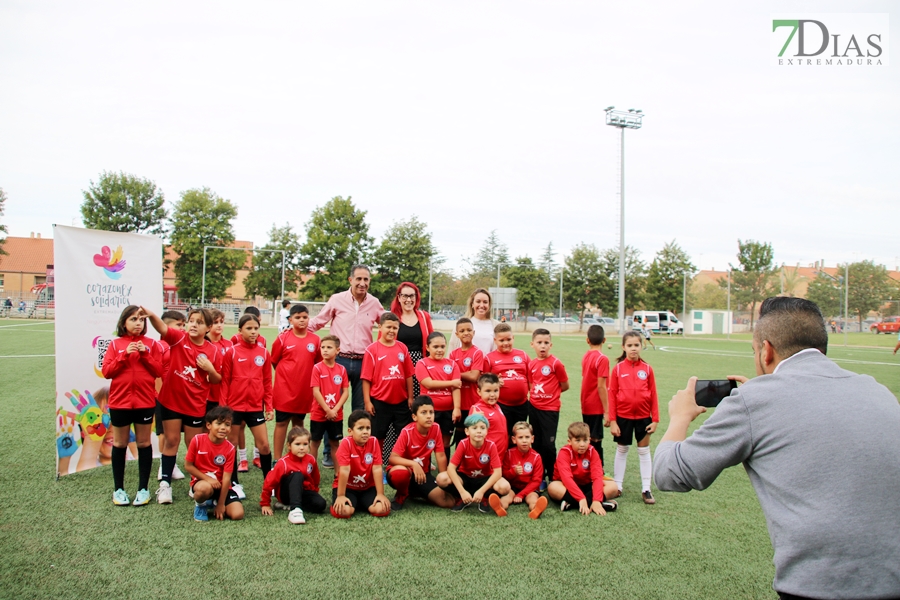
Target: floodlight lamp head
{"x": 609, "y": 108}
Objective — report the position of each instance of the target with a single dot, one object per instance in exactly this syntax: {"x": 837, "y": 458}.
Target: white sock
{"x": 619, "y": 466}
{"x": 256, "y": 453}
{"x": 243, "y": 453}
{"x": 646, "y": 467}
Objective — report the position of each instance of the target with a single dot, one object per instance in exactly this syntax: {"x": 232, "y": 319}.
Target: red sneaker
{"x": 242, "y": 467}
{"x": 256, "y": 463}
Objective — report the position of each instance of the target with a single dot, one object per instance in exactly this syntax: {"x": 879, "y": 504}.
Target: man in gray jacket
{"x": 821, "y": 446}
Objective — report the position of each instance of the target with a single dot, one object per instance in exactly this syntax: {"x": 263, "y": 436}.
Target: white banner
{"x": 97, "y": 274}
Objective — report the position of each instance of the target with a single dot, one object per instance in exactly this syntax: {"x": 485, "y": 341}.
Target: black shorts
{"x": 124, "y": 417}
{"x": 595, "y": 424}
{"x": 637, "y": 427}
{"x": 460, "y": 434}
{"x": 587, "y": 490}
{"x": 281, "y": 416}
{"x": 421, "y": 490}
{"x": 210, "y": 405}
{"x": 513, "y": 415}
{"x": 253, "y": 418}
{"x": 358, "y": 498}
{"x": 470, "y": 484}
{"x": 318, "y": 429}
{"x": 167, "y": 414}
{"x": 444, "y": 418}
{"x": 231, "y": 497}
{"x": 157, "y": 418}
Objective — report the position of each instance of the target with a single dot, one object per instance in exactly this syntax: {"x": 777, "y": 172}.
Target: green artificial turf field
{"x": 65, "y": 539}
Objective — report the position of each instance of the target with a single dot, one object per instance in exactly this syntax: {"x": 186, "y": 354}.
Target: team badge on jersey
{"x": 337, "y": 379}
{"x": 309, "y": 468}
{"x": 430, "y": 444}
{"x": 527, "y": 467}
{"x": 259, "y": 361}
{"x": 545, "y": 370}
{"x": 219, "y": 460}
{"x": 223, "y": 351}
{"x": 585, "y": 463}
{"x": 484, "y": 458}
{"x": 368, "y": 458}
{"x": 517, "y": 359}
{"x": 400, "y": 356}
{"x": 467, "y": 361}
{"x": 201, "y": 355}
{"x": 448, "y": 369}
{"x": 311, "y": 347}
{"x": 642, "y": 374}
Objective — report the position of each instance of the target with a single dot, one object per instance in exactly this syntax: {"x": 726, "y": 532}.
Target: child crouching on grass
{"x": 524, "y": 469}
{"x": 578, "y": 476}
{"x": 210, "y": 461}
{"x": 294, "y": 480}
{"x": 358, "y": 475}
{"x": 476, "y": 469}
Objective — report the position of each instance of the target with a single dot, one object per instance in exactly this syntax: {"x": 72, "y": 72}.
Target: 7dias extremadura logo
{"x": 830, "y": 40}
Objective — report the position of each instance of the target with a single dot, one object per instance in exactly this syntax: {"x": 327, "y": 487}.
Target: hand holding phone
{"x": 709, "y": 392}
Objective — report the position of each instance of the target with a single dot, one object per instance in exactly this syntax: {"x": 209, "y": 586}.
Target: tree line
{"x": 336, "y": 236}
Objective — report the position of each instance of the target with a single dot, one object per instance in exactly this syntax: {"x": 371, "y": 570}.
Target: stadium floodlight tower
{"x": 623, "y": 120}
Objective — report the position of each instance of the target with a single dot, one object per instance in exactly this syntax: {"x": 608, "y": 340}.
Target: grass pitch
{"x": 65, "y": 538}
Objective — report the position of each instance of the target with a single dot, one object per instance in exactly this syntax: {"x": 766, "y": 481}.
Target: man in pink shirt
{"x": 352, "y": 315}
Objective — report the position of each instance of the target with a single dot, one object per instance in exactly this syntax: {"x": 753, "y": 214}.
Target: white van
{"x": 657, "y": 321}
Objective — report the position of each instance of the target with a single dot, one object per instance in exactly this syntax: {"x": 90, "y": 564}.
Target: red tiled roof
{"x": 26, "y": 254}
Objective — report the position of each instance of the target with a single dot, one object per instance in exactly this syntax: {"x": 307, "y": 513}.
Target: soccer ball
{"x": 609, "y": 346}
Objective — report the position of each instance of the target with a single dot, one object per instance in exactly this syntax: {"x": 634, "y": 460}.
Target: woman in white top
{"x": 478, "y": 310}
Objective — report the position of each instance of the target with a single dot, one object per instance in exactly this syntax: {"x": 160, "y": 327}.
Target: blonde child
{"x": 294, "y": 480}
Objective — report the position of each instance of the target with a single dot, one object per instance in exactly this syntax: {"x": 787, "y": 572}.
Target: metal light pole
{"x": 430, "y": 283}
{"x": 847, "y": 300}
{"x": 203, "y": 284}
{"x": 623, "y": 120}
{"x": 730, "y": 318}
{"x": 560, "y": 299}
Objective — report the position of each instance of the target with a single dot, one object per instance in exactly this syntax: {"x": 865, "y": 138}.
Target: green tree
{"x": 337, "y": 237}
{"x": 752, "y": 283}
{"x": 828, "y": 293}
{"x": 635, "y": 279}
{"x": 3, "y": 229}
{"x": 125, "y": 203}
{"x": 202, "y": 218}
{"x": 870, "y": 287}
{"x": 709, "y": 296}
{"x": 264, "y": 278}
{"x": 666, "y": 278}
{"x": 548, "y": 261}
{"x": 404, "y": 254}
{"x": 584, "y": 280}
{"x": 532, "y": 285}
{"x": 483, "y": 266}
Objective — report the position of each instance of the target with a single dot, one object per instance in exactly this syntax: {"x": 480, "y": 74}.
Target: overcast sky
{"x": 472, "y": 115}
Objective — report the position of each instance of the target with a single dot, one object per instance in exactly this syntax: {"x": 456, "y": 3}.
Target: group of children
{"x": 500, "y": 409}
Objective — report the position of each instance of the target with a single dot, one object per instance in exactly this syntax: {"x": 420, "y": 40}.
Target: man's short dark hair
{"x": 356, "y": 268}
{"x": 791, "y": 325}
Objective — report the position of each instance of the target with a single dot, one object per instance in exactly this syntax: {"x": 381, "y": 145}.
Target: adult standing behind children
{"x": 478, "y": 310}
{"x": 830, "y": 506}
{"x": 415, "y": 324}
{"x": 352, "y": 314}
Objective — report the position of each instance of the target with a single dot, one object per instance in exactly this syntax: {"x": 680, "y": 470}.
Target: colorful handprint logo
{"x": 66, "y": 441}
{"x": 111, "y": 262}
{"x": 93, "y": 421}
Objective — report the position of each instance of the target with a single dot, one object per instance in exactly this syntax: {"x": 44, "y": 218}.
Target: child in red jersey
{"x": 172, "y": 318}
{"x": 331, "y": 389}
{"x": 387, "y": 372}
{"x": 578, "y": 476}
{"x": 194, "y": 365}
{"x": 470, "y": 361}
{"x": 440, "y": 379}
{"x": 633, "y": 409}
{"x": 209, "y": 460}
{"x": 594, "y": 375}
{"x": 489, "y": 394}
{"x": 523, "y": 469}
{"x": 410, "y": 470}
{"x": 294, "y": 352}
{"x": 294, "y": 480}
{"x": 133, "y": 362}
{"x": 243, "y": 467}
{"x": 476, "y": 468}
{"x": 549, "y": 380}
{"x": 215, "y": 337}
{"x": 511, "y": 365}
{"x": 247, "y": 390}
{"x": 358, "y": 473}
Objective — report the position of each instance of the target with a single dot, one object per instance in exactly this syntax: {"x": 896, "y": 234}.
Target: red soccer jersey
{"x": 215, "y": 391}
{"x": 412, "y": 445}
{"x": 186, "y": 387}
{"x": 512, "y": 369}
{"x": 496, "y": 422}
{"x": 476, "y": 462}
{"x": 387, "y": 368}
{"x": 361, "y": 460}
{"x": 165, "y": 359}
{"x": 260, "y": 340}
{"x": 133, "y": 375}
{"x": 285, "y": 466}
{"x": 331, "y": 381}
{"x": 247, "y": 378}
{"x": 547, "y": 374}
{"x": 209, "y": 457}
{"x": 632, "y": 391}
{"x": 532, "y": 470}
{"x": 575, "y": 469}
{"x": 468, "y": 360}
{"x": 594, "y": 365}
{"x": 438, "y": 370}
{"x": 294, "y": 358}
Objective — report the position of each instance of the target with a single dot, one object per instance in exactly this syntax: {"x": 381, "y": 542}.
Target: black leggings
{"x": 294, "y": 496}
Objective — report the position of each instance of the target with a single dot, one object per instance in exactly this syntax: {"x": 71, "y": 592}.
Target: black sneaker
{"x": 609, "y": 505}
{"x": 395, "y": 506}
{"x": 484, "y": 506}
{"x": 459, "y": 506}
{"x": 564, "y": 506}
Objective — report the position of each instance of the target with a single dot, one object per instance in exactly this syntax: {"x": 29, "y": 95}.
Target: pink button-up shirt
{"x": 351, "y": 322}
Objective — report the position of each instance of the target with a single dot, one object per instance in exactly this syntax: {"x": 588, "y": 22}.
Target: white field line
{"x": 26, "y": 324}
{"x": 26, "y": 355}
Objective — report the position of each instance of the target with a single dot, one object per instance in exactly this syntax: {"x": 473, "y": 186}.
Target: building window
{"x": 39, "y": 279}
{"x": 698, "y": 314}
{"x": 698, "y": 327}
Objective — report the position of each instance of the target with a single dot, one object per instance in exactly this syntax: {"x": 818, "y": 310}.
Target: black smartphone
{"x": 709, "y": 392}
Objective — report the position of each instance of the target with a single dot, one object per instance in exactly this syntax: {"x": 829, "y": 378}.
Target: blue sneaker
{"x": 120, "y": 498}
{"x": 543, "y": 487}
{"x": 384, "y": 480}
{"x": 200, "y": 513}
{"x": 142, "y": 498}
